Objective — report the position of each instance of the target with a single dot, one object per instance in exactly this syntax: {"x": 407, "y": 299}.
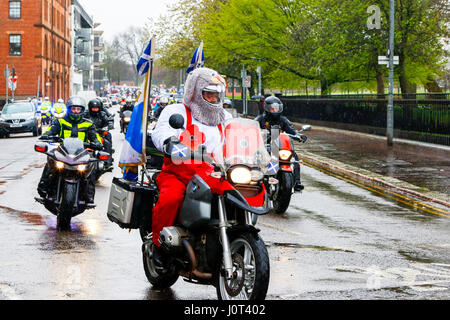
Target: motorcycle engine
{"x": 172, "y": 237}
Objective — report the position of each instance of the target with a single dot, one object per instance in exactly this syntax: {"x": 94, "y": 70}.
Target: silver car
{"x": 18, "y": 117}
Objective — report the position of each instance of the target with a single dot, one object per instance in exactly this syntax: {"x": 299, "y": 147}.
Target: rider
{"x": 72, "y": 125}
{"x": 228, "y": 105}
{"x": 127, "y": 106}
{"x": 163, "y": 102}
{"x": 204, "y": 119}
{"x": 59, "y": 108}
{"x": 273, "y": 109}
{"x": 45, "y": 110}
{"x": 98, "y": 116}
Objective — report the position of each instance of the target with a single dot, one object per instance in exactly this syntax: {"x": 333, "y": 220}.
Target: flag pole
{"x": 147, "y": 94}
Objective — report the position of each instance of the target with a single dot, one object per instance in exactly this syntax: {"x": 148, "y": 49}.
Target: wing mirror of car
{"x": 176, "y": 121}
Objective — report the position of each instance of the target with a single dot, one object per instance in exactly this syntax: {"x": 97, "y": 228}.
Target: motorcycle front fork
{"x": 223, "y": 224}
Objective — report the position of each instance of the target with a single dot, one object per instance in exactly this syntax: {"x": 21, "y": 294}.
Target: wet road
{"x": 337, "y": 241}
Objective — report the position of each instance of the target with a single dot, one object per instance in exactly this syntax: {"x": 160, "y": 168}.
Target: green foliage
{"x": 326, "y": 42}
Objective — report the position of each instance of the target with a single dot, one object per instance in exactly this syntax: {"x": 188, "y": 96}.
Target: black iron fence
{"x": 414, "y": 119}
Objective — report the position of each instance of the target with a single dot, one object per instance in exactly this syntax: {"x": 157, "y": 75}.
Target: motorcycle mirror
{"x": 306, "y": 127}
{"x": 176, "y": 121}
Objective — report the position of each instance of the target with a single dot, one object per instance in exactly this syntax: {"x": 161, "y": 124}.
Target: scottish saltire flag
{"x": 144, "y": 62}
{"x": 198, "y": 59}
{"x": 133, "y": 149}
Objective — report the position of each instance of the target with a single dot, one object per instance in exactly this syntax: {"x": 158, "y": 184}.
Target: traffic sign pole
{"x": 7, "y": 80}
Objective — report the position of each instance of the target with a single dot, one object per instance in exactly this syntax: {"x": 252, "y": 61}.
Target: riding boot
{"x": 297, "y": 184}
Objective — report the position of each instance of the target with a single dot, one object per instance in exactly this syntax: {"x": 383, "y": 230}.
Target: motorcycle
{"x": 125, "y": 118}
{"x": 102, "y": 166}
{"x": 214, "y": 240}
{"x": 280, "y": 194}
{"x": 71, "y": 161}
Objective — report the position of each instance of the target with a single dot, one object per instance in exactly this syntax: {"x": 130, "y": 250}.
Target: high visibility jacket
{"x": 66, "y": 127}
{"x": 60, "y": 108}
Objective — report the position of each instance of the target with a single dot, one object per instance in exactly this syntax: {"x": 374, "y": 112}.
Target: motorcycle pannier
{"x": 129, "y": 201}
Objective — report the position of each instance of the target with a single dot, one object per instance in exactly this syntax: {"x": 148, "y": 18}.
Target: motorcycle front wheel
{"x": 159, "y": 281}
{"x": 283, "y": 199}
{"x": 251, "y": 270}
{"x": 69, "y": 197}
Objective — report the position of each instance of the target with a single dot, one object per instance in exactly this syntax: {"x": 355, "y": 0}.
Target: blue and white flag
{"x": 144, "y": 62}
{"x": 133, "y": 149}
{"x": 198, "y": 59}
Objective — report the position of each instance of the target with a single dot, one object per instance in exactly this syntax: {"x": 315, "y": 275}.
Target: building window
{"x": 14, "y": 10}
{"x": 15, "y": 45}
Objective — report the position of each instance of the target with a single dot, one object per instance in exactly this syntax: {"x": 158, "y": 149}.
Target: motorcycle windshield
{"x": 243, "y": 145}
{"x": 73, "y": 146}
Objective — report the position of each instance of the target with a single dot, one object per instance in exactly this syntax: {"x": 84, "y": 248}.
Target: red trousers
{"x": 172, "y": 183}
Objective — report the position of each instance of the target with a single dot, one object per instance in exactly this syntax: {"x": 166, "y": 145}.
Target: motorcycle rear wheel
{"x": 69, "y": 197}
{"x": 251, "y": 269}
{"x": 286, "y": 183}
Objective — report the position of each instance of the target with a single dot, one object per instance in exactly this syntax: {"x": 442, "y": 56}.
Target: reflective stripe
{"x": 85, "y": 125}
{"x": 82, "y": 135}
{"x": 67, "y": 134}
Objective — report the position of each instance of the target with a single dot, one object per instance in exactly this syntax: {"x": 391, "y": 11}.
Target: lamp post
{"x": 390, "y": 106}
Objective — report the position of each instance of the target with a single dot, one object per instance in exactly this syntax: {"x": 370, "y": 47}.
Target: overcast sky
{"x": 117, "y": 15}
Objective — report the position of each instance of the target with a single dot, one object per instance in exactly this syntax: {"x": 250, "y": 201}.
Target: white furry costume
{"x": 204, "y": 116}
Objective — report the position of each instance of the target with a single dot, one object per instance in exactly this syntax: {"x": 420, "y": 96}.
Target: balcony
{"x": 84, "y": 34}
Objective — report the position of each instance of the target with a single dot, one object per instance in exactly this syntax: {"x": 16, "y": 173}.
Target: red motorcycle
{"x": 280, "y": 194}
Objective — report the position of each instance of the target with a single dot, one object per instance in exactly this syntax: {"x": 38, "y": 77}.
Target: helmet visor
{"x": 214, "y": 94}
{"x": 274, "y": 107}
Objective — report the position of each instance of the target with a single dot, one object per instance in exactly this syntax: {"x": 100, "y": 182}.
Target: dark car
{"x": 18, "y": 117}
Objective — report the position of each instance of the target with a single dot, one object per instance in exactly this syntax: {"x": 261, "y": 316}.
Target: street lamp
{"x": 390, "y": 106}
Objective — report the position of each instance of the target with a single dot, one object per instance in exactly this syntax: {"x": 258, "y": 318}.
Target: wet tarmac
{"x": 336, "y": 241}
{"x": 423, "y": 165}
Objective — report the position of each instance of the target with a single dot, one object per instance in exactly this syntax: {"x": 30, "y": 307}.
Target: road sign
{"x": 247, "y": 82}
{"x": 12, "y": 81}
{"x": 385, "y": 60}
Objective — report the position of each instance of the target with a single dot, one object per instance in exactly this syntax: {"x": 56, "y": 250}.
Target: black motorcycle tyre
{"x": 157, "y": 280}
{"x": 261, "y": 262}
{"x": 286, "y": 183}
{"x": 69, "y": 197}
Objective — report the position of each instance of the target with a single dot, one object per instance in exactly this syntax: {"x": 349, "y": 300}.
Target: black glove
{"x": 44, "y": 137}
{"x": 174, "y": 149}
{"x": 303, "y": 137}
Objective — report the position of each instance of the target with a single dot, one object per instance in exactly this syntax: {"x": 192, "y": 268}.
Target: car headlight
{"x": 240, "y": 175}
{"x": 81, "y": 167}
{"x": 59, "y": 165}
{"x": 285, "y": 155}
{"x": 127, "y": 119}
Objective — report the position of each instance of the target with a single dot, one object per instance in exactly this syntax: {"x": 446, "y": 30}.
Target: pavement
{"x": 415, "y": 173}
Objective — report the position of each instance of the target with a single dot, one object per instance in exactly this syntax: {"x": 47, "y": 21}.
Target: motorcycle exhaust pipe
{"x": 193, "y": 259}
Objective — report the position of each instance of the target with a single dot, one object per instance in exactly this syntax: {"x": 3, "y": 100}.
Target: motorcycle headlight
{"x": 127, "y": 119}
{"x": 81, "y": 167}
{"x": 240, "y": 175}
{"x": 59, "y": 165}
{"x": 285, "y": 155}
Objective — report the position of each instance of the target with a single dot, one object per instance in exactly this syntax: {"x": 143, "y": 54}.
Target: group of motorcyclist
{"x": 76, "y": 123}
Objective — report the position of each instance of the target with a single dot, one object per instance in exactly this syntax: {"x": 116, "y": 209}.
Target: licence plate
{"x": 16, "y": 125}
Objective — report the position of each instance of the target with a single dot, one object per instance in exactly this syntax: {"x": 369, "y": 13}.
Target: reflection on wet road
{"x": 336, "y": 241}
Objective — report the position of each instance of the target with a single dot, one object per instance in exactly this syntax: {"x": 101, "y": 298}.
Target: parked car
{"x": 19, "y": 117}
